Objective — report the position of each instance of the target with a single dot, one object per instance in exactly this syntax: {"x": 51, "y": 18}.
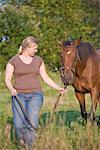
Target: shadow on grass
{"x": 60, "y": 117}
{"x": 63, "y": 117}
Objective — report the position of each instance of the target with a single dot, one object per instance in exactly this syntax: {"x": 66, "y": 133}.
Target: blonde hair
{"x": 26, "y": 43}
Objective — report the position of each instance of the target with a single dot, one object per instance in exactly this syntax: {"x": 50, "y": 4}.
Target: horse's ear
{"x": 77, "y": 42}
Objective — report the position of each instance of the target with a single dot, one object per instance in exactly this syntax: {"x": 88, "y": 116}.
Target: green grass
{"x": 67, "y": 130}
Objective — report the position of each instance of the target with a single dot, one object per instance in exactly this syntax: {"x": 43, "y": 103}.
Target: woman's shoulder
{"x": 39, "y": 58}
{"x": 13, "y": 59}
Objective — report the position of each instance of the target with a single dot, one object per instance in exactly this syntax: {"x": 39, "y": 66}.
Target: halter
{"x": 72, "y": 69}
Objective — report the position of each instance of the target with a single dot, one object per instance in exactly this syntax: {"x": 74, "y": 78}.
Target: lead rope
{"x": 54, "y": 110}
{"x": 53, "y": 114}
{"x": 55, "y": 107}
{"x": 22, "y": 109}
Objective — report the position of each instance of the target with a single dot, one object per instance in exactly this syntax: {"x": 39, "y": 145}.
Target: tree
{"x": 49, "y": 21}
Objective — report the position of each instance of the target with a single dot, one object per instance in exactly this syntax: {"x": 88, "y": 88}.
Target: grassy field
{"x": 66, "y": 132}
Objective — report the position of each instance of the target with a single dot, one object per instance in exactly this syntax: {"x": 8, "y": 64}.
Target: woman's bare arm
{"x": 48, "y": 80}
{"x": 8, "y": 77}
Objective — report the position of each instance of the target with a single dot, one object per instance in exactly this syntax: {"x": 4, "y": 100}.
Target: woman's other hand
{"x": 13, "y": 91}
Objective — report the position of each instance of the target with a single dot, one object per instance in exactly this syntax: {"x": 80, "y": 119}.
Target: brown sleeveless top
{"x": 26, "y": 76}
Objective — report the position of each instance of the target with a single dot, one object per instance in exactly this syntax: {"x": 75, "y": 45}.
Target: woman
{"x": 26, "y": 68}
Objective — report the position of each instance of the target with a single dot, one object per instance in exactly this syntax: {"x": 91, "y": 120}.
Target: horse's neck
{"x": 83, "y": 68}
{"x": 80, "y": 68}
{"x": 83, "y": 59}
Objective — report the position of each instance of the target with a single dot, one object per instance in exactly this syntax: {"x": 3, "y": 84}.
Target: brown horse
{"x": 80, "y": 67}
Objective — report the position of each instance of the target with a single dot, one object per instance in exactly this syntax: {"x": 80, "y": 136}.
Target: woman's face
{"x": 32, "y": 49}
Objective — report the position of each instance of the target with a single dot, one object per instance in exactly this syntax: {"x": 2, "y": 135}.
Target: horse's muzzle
{"x": 67, "y": 77}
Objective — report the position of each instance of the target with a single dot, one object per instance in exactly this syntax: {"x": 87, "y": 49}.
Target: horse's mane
{"x": 85, "y": 50}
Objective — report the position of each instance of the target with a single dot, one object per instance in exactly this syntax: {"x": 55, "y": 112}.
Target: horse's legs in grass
{"x": 94, "y": 101}
{"x": 81, "y": 99}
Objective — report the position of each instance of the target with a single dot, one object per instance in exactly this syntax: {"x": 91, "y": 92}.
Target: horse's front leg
{"x": 81, "y": 99}
{"x": 94, "y": 101}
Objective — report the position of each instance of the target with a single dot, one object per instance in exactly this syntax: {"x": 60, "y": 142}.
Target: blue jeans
{"x": 31, "y": 103}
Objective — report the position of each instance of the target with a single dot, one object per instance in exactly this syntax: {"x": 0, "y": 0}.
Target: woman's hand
{"x": 62, "y": 90}
{"x": 13, "y": 91}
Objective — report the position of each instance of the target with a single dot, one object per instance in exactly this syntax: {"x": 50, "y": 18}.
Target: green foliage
{"x": 49, "y": 21}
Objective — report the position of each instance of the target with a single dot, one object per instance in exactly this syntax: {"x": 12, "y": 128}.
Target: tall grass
{"x": 67, "y": 131}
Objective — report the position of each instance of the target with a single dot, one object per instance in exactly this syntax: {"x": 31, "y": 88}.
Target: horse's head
{"x": 68, "y": 60}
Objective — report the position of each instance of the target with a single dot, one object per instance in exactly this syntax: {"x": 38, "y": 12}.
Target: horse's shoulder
{"x": 81, "y": 84}
{"x": 77, "y": 84}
